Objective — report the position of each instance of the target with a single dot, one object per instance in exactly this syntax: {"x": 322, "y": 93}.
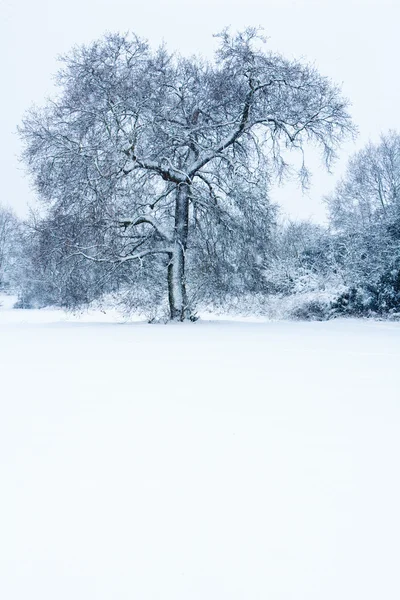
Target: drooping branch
{"x": 123, "y": 259}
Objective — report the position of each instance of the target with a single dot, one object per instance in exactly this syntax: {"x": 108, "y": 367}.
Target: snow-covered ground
{"x": 216, "y": 460}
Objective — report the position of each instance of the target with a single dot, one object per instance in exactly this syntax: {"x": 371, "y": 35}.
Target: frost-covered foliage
{"x": 303, "y": 259}
{"x": 304, "y": 306}
{"x": 154, "y": 167}
{"x": 51, "y": 275}
{"x": 378, "y": 298}
{"x": 229, "y": 253}
{"x": 312, "y": 310}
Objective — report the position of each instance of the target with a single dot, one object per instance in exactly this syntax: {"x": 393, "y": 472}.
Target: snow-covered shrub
{"x": 352, "y": 302}
{"x": 312, "y": 310}
{"x": 387, "y": 292}
{"x": 24, "y": 304}
{"x": 376, "y": 298}
{"x": 302, "y": 260}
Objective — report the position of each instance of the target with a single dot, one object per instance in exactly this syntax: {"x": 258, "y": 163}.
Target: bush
{"x": 24, "y": 303}
{"x": 373, "y": 299}
{"x": 352, "y": 303}
{"x": 387, "y": 293}
{"x": 312, "y": 310}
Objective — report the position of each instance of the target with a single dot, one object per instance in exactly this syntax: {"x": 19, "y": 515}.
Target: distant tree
{"x": 151, "y": 157}
{"x": 10, "y": 229}
{"x": 369, "y": 194}
{"x": 365, "y": 220}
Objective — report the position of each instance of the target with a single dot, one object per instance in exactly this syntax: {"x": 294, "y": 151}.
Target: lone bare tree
{"x": 144, "y": 146}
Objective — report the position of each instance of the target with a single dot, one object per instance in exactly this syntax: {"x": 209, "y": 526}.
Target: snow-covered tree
{"x": 365, "y": 219}
{"x": 153, "y": 158}
{"x": 10, "y": 230}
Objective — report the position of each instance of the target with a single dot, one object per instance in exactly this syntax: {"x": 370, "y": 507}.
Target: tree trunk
{"x": 178, "y": 301}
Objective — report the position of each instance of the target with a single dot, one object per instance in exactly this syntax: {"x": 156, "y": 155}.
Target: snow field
{"x": 218, "y": 460}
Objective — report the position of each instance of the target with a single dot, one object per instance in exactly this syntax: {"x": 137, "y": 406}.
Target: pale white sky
{"x": 355, "y": 42}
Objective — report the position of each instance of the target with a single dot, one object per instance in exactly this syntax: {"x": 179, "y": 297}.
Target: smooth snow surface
{"x": 210, "y": 461}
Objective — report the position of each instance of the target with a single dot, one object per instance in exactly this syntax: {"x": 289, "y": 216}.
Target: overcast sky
{"x": 355, "y": 42}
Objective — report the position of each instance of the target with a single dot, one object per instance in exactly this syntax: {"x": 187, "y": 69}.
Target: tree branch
{"x": 122, "y": 259}
{"x": 126, "y": 222}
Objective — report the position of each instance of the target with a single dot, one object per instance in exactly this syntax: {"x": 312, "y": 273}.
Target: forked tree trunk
{"x": 178, "y": 300}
